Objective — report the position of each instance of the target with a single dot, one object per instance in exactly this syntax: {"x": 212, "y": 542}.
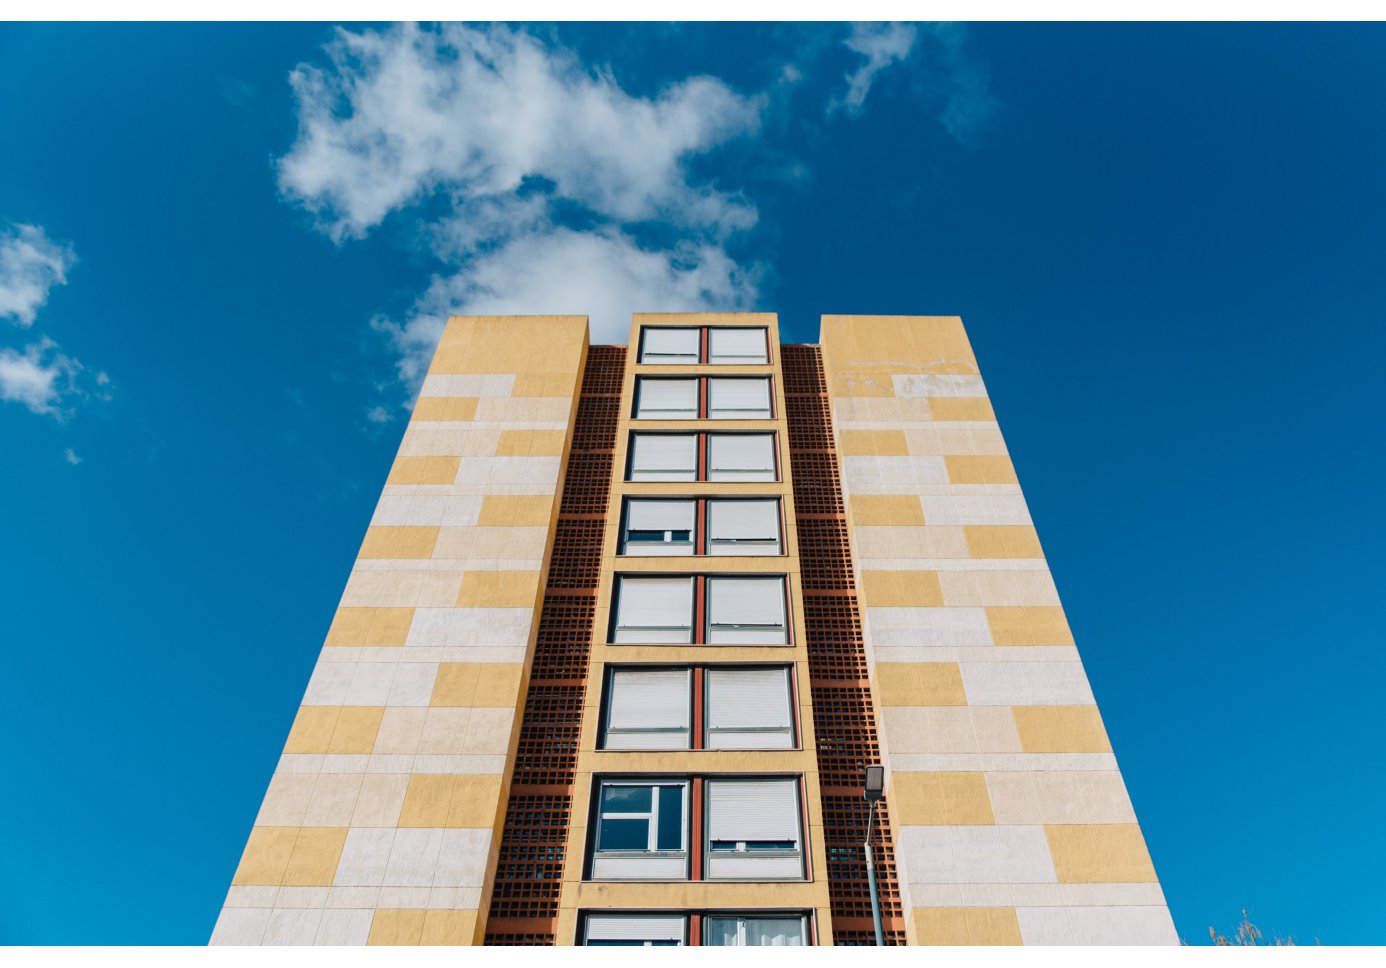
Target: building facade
{"x": 629, "y": 623}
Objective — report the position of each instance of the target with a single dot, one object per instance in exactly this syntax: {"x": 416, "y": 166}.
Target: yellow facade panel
{"x": 443, "y": 927}
{"x": 1060, "y": 729}
{"x": 531, "y": 443}
{"x": 940, "y": 799}
{"x": 445, "y": 408}
{"x": 1107, "y": 853}
{"x": 515, "y": 510}
{"x": 512, "y": 344}
{"x": 498, "y": 589}
{"x": 979, "y": 469}
{"x": 312, "y": 729}
{"x": 266, "y": 857}
{"x": 396, "y": 927}
{"x": 1028, "y": 625}
{"x": 399, "y": 542}
{"x": 314, "y": 859}
{"x": 961, "y": 408}
{"x": 959, "y": 926}
{"x": 424, "y": 470}
{"x": 886, "y": 509}
{"x": 873, "y": 443}
{"x": 906, "y": 589}
{"x": 370, "y": 626}
{"x": 356, "y": 729}
{"x": 1002, "y": 541}
{"x": 919, "y": 684}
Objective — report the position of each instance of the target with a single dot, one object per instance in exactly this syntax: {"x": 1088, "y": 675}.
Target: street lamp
{"x": 873, "y": 789}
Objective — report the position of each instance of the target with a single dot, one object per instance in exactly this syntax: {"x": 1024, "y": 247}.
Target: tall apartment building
{"x": 627, "y": 626}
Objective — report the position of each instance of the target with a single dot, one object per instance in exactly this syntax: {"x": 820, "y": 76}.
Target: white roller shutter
{"x": 746, "y": 611}
{"x": 749, "y": 709}
{"x": 659, "y": 515}
{"x": 742, "y": 810}
{"x": 741, "y": 457}
{"x": 666, "y": 399}
{"x": 667, "y": 345}
{"x": 737, "y": 346}
{"x": 654, "y": 610}
{"x": 649, "y": 709}
{"x": 664, "y": 457}
{"x": 635, "y": 927}
{"x": 738, "y": 398}
{"x": 743, "y": 528}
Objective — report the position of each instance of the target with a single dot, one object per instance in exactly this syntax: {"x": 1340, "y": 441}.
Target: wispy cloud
{"x": 882, "y": 44}
{"x": 41, "y": 377}
{"x": 968, "y": 106}
{"x": 558, "y": 190}
{"x": 30, "y": 265}
{"x": 71, "y": 457}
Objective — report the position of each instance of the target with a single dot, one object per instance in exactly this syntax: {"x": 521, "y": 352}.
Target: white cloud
{"x": 882, "y": 44}
{"x": 40, "y": 378}
{"x": 71, "y": 457}
{"x": 509, "y": 133}
{"x": 30, "y": 265}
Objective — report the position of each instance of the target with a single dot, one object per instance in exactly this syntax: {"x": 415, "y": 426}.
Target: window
{"x": 634, "y": 930}
{"x": 648, "y": 709}
{"x": 664, "y": 457}
{"x": 654, "y": 610}
{"x": 744, "y": 708}
{"x": 737, "y": 346}
{"x": 743, "y": 527}
{"x": 680, "y": 527}
{"x": 738, "y": 398}
{"x": 663, "y": 399}
{"x": 655, "y": 527}
{"x": 753, "y": 829}
{"x": 748, "y": 709}
{"x": 756, "y": 930}
{"x": 746, "y": 611}
{"x": 668, "y": 345}
{"x": 729, "y": 457}
{"x": 641, "y": 831}
{"x": 741, "y": 457}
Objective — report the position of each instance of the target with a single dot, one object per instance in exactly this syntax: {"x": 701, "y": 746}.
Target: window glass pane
{"x": 659, "y": 527}
{"x": 737, "y": 346}
{"x": 733, "y": 398}
{"x": 746, "y": 611}
{"x": 741, "y": 457}
{"x": 664, "y": 457}
{"x": 722, "y": 931}
{"x": 668, "y": 345}
{"x": 743, "y": 528}
{"x": 670, "y": 834}
{"x": 773, "y": 932}
{"x": 624, "y": 835}
{"x": 627, "y": 799}
{"x": 654, "y": 610}
{"x": 666, "y": 399}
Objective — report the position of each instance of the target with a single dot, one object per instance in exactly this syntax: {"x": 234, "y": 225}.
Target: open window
{"x": 658, "y": 398}
{"x": 664, "y": 457}
{"x": 654, "y": 610}
{"x": 753, "y": 830}
{"x": 758, "y": 930}
{"x": 641, "y": 830}
{"x": 648, "y": 709}
{"x": 670, "y": 345}
{"x": 659, "y": 527}
{"x": 741, "y": 457}
{"x": 746, "y": 611}
{"x": 743, "y": 527}
{"x": 619, "y": 930}
{"x": 739, "y": 398}
{"x": 748, "y": 709}
{"x": 738, "y": 345}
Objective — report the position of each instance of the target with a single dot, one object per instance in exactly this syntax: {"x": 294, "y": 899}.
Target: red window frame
{"x": 703, "y": 450}
{"x": 705, "y": 345}
{"x": 700, "y": 521}
{"x": 704, "y": 393}
{"x": 699, "y": 635}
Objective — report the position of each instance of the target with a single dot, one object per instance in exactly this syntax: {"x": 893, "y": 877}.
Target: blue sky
{"x": 224, "y": 251}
